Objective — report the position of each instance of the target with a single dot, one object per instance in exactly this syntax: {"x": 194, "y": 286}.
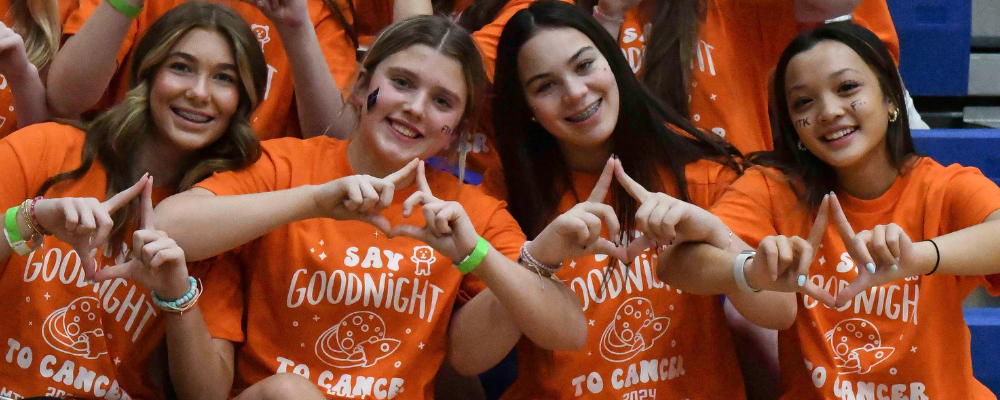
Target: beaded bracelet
{"x": 182, "y": 304}
{"x": 527, "y": 260}
{"x": 34, "y": 219}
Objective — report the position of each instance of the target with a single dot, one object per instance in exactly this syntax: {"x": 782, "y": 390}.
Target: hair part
{"x": 810, "y": 177}
{"x": 116, "y": 137}
{"x": 648, "y": 135}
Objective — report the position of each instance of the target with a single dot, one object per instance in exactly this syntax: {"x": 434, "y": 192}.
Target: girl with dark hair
{"x": 570, "y": 103}
{"x": 71, "y": 336}
{"x": 711, "y": 59}
{"x": 30, "y": 34}
{"x": 352, "y": 274}
{"x": 309, "y": 56}
{"x": 844, "y": 155}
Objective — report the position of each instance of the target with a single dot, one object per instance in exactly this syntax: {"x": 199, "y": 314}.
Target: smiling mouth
{"x": 192, "y": 117}
{"x": 589, "y": 112}
{"x": 840, "y": 134}
{"x": 405, "y": 130}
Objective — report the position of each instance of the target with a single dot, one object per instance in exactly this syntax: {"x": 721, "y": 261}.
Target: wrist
{"x": 926, "y": 258}
{"x": 18, "y": 75}
{"x": 175, "y": 289}
{"x": 540, "y": 253}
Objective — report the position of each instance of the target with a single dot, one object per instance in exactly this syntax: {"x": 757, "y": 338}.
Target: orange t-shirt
{"x": 338, "y": 302}
{"x": 906, "y": 338}
{"x": 645, "y": 339}
{"x": 8, "y": 118}
{"x": 739, "y": 43}
{"x": 275, "y": 116}
{"x": 63, "y": 337}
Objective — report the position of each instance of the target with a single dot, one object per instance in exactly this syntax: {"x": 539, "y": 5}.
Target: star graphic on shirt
{"x": 29, "y": 323}
{"x": 322, "y": 256}
{"x": 421, "y": 345}
{"x": 694, "y": 84}
{"x": 572, "y": 264}
{"x": 713, "y": 96}
{"x": 320, "y": 242}
{"x": 117, "y": 361}
{"x": 591, "y": 322}
{"x": 822, "y": 260}
{"x": 316, "y": 318}
{"x": 589, "y": 353}
{"x": 303, "y": 345}
{"x": 47, "y": 295}
{"x": 913, "y": 349}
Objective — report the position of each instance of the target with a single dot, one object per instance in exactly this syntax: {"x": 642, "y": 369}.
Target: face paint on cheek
{"x": 857, "y": 103}
{"x": 372, "y": 98}
{"x": 446, "y": 130}
{"x": 802, "y": 123}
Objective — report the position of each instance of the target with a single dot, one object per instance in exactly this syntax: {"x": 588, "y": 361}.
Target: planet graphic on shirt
{"x": 74, "y": 329}
{"x": 857, "y": 346}
{"x": 358, "y": 340}
{"x": 633, "y": 330}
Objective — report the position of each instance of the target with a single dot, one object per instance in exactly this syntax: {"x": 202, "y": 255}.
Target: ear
{"x": 360, "y": 89}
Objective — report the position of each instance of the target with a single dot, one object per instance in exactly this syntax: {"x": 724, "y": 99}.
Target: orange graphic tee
{"x": 645, "y": 339}
{"x": 880, "y": 344}
{"x": 8, "y": 117}
{"x": 62, "y": 336}
{"x": 739, "y": 43}
{"x": 276, "y": 116}
{"x": 338, "y": 302}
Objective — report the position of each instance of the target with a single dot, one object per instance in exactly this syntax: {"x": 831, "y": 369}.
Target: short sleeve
{"x": 222, "y": 302}
{"x": 707, "y": 181}
{"x": 262, "y": 176}
{"x": 83, "y": 11}
{"x": 13, "y": 177}
{"x": 970, "y": 197}
{"x": 745, "y": 207}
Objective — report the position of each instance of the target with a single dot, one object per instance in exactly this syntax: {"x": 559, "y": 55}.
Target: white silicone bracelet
{"x": 738, "y": 273}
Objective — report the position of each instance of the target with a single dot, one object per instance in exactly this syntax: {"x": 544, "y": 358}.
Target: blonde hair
{"x": 115, "y": 137}
{"x": 38, "y": 23}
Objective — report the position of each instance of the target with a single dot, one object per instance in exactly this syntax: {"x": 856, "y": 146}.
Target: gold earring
{"x": 893, "y": 115}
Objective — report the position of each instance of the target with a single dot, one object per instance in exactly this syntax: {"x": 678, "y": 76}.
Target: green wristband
{"x": 125, "y": 8}
{"x": 13, "y": 233}
{"x": 473, "y": 259}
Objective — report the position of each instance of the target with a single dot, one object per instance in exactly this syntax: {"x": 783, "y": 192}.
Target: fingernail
{"x": 870, "y": 267}
{"x": 893, "y": 267}
{"x": 90, "y": 281}
{"x": 831, "y": 193}
{"x": 802, "y": 280}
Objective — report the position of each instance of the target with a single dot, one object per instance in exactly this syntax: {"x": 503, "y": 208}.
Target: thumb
{"x": 638, "y": 245}
{"x": 85, "y": 253}
{"x": 377, "y": 221}
{"x": 604, "y": 246}
{"x": 123, "y": 271}
{"x": 410, "y": 231}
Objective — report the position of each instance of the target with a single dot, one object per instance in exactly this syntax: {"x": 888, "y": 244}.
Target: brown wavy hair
{"x": 37, "y": 21}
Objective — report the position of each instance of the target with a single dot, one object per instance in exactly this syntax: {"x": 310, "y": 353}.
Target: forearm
{"x": 201, "y": 368}
{"x": 812, "y": 11}
{"x": 403, "y": 9}
{"x": 83, "y": 67}
{"x": 545, "y": 310}
{"x": 971, "y": 251}
{"x": 481, "y": 334}
{"x": 205, "y": 225}
{"x": 321, "y": 106}
{"x": 28, "y": 94}
{"x": 699, "y": 268}
{"x": 610, "y": 19}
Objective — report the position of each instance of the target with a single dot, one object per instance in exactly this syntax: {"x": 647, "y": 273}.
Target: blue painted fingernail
{"x": 870, "y": 267}
{"x": 802, "y": 280}
{"x": 893, "y": 267}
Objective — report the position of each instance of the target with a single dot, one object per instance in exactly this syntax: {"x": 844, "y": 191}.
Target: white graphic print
{"x": 262, "y": 33}
{"x": 857, "y": 344}
{"x": 358, "y": 340}
{"x": 63, "y": 329}
{"x": 633, "y": 330}
{"x": 423, "y": 256}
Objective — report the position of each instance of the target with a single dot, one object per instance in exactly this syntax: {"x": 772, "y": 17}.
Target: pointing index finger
{"x": 147, "y": 205}
{"x": 840, "y": 220}
{"x": 819, "y": 226}
{"x": 631, "y": 186}
{"x": 404, "y": 176}
{"x": 604, "y": 183}
{"x": 123, "y": 197}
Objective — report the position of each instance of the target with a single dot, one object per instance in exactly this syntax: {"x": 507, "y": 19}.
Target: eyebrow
{"x": 568, "y": 62}
{"x": 192, "y": 59}
{"x": 838, "y": 73}
{"x": 414, "y": 76}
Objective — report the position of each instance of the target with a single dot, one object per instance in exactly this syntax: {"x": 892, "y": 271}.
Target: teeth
{"x": 192, "y": 117}
{"x": 589, "y": 112}
{"x": 405, "y": 131}
{"x": 839, "y": 134}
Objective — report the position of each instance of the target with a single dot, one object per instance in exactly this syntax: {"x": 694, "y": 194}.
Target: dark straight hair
{"x": 648, "y": 134}
{"x": 811, "y": 178}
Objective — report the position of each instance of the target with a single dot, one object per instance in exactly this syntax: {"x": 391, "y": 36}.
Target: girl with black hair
{"x": 570, "y": 103}
{"x": 880, "y": 292}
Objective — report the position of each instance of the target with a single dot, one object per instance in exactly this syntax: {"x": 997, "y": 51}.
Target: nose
{"x": 417, "y": 105}
{"x": 198, "y": 91}
{"x": 576, "y": 89}
{"x": 832, "y": 107}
